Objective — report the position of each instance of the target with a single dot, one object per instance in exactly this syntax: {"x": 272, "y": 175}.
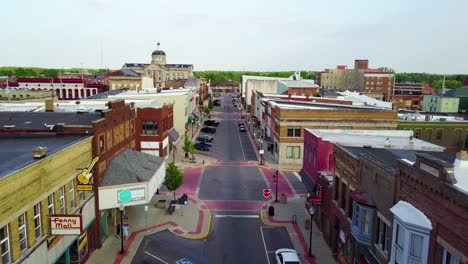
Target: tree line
{"x": 433, "y": 80}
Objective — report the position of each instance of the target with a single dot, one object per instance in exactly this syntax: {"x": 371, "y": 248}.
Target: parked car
{"x": 235, "y": 105}
{"x": 216, "y": 104}
{"x": 286, "y": 255}
{"x": 209, "y": 130}
{"x": 202, "y": 145}
{"x": 242, "y": 129}
{"x": 241, "y": 124}
{"x": 211, "y": 122}
{"x": 205, "y": 138}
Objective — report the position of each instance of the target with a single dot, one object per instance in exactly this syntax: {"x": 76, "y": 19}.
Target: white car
{"x": 287, "y": 256}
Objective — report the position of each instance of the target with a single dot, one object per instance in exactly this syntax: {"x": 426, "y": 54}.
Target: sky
{"x": 255, "y": 35}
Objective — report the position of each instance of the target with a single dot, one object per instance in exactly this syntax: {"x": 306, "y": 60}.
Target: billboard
{"x": 66, "y": 224}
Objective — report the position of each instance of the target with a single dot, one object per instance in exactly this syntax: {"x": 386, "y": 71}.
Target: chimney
{"x": 49, "y": 105}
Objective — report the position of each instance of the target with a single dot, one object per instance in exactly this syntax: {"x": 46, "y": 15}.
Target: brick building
{"x": 435, "y": 194}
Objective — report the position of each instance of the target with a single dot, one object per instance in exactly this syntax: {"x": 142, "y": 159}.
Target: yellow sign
{"x": 83, "y": 240}
{"x": 84, "y": 187}
{"x": 86, "y": 174}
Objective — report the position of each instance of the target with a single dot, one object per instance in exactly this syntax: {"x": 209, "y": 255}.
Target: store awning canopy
{"x": 307, "y": 180}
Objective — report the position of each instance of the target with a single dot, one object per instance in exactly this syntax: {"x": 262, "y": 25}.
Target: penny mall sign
{"x": 66, "y": 225}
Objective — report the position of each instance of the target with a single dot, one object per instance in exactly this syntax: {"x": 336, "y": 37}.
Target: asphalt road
{"x": 236, "y": 237}
{"x": 232, "y": 183}
{"x": 229, "y": 144}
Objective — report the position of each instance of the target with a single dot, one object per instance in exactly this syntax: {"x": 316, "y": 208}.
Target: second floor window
{"x": 383, "y": 236}
{"x": 50, "y": 205}
{"x": 72, "y": 194}
{"x": 439, "y": 135}
{"x": 62, "y": 200}
{"x": 293, "y": 152}
{"x": 294, "y": 132}
{"x": 37, "y": 220}
{"x": 5, "y": 245}
{"x": 150, "y": 128}
{"x": 23, "y": 236}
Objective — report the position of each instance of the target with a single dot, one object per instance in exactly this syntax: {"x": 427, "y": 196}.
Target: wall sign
{"x": 131, "y": 195}
{"x": 66, "y": 225}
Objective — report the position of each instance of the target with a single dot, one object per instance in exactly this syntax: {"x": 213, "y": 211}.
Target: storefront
{"x": 78, "y": 251}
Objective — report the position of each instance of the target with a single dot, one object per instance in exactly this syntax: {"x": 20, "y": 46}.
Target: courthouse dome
{"x": 158, "y": 52}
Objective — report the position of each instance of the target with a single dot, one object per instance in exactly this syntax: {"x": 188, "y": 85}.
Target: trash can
{"x": 283, "y": 198}
{"x": 271, "y": 210}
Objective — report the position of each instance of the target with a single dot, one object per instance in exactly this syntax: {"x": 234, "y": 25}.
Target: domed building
{"x": 159, "y": 70}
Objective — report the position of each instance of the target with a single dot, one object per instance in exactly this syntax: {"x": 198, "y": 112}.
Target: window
{"x": 357, "y": 212}
{"x": 101, "y": 143}
{"x": 399, "y": 244}
{"x": 448, "y": 258}
{"x": 150, "y": 128}
{"x": 62, "y": 200}
{"x": 72, "y": 194}
{"x": 294, "y": 132}
{"x": 439, "y": 135}
{"x": 5, "y": 245}
{"x": 37, "y": 220}
{"x": 50, "y": 201}
{"x": 293, "y": 152}
{"x": 383, "y": 236}
{"x": 415, "y": 250}
{"x": 81, "y": 195}
{"x": 23, "y": 237}
{"x": 365, "y": 221}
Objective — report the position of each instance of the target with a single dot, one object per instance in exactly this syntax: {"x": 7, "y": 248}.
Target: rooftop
{"x": 418, "y": 117}
{"x": 411, "y": 215}
{"x": 16, "y": 151}
{"x": 131, "y": 166}
{"x": 397, "y": 139}
{"x": 45, "y": 120}
{"x": 300, "y": 83}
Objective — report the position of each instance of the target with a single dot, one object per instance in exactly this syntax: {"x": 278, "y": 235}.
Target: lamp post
{"x": 121, "y": 208}
{"x": 311, "y": 211}
{"x": 192, "y": 126}
{"x": 276, "y": 192}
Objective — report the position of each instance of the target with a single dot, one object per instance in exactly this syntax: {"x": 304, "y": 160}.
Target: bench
{"x": 171, "y": 209}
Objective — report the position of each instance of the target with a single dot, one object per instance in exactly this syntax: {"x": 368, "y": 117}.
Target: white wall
{"x": 147, "y": 82}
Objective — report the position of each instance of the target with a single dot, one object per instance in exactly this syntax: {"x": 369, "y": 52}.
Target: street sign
{"x": 261, "y": 152}
{"x": 275, "y": 178}
{"x": 316, "y": 199}
{"x": 125, "y": 196}
{"x": 146, "y": 208}
{"x": 266, "y": 193}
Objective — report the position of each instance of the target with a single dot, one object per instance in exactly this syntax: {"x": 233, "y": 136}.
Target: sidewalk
{"x": 299, "y": 235}
{"x": 193, "y": 221}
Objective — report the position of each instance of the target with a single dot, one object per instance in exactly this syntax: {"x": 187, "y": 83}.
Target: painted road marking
{"x": 238, "y": 216}
{"x": 297, "y": 176}
{"x": 264, "y": 245}
{"x": 156, "y": 257}
{"x": 184, "y": 261}
{"x": 240, "y": 141}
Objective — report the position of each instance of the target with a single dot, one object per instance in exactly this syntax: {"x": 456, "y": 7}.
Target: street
{"x": 232, "y": 190}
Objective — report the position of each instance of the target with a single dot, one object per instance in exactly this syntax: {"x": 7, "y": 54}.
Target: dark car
{"x": 241, "y": 124}
{"x": 202, "y": 145}
{"x": 209, "y": 130}
{"x": 235, "y": 105}
{"x": 211, "y": 122}
{"x": 216, "y": 104}
{"x": 242, "y": 129}
{"x": 205, "y": 138}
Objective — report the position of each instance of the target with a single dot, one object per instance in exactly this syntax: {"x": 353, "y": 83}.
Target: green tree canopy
{"x": 174, "y": 178}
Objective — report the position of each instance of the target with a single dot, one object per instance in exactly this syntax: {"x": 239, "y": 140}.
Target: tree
{"x": 192, "y": 150}
{"x": 187, "y": 145}
{"x": 210, "y": 104}
{"x": 387, "y": 69}
{"x": 207, "y": 110}
{"x": 174, "y": 178}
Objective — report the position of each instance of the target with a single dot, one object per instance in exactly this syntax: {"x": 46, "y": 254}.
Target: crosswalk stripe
{"x": 238, "y": 216}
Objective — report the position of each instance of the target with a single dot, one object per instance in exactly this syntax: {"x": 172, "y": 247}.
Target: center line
{"x": 240, "y": 141}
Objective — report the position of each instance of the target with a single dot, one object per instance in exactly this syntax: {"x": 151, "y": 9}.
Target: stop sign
{"x": 266, "y": 193}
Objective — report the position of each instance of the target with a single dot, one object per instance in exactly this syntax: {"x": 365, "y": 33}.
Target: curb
{"x": 207, "y": 232}
{"x": 269, "y": 224}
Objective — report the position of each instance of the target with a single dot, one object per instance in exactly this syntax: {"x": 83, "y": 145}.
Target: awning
{"x": 173, "y": 135}
{"x": 307, "y": 180}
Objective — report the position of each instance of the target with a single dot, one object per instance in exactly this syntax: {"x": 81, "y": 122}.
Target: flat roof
{"x": 413, "y": 117}
{"x": 16, "y": 150}
{"x": 397, "y": 139}
{"x": 44, "y": 120}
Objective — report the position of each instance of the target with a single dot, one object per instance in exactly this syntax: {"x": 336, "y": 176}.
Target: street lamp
{"x": 311, "y": 211}
{"x": 276, "y": 193}
{"x": 121, "y": 208}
